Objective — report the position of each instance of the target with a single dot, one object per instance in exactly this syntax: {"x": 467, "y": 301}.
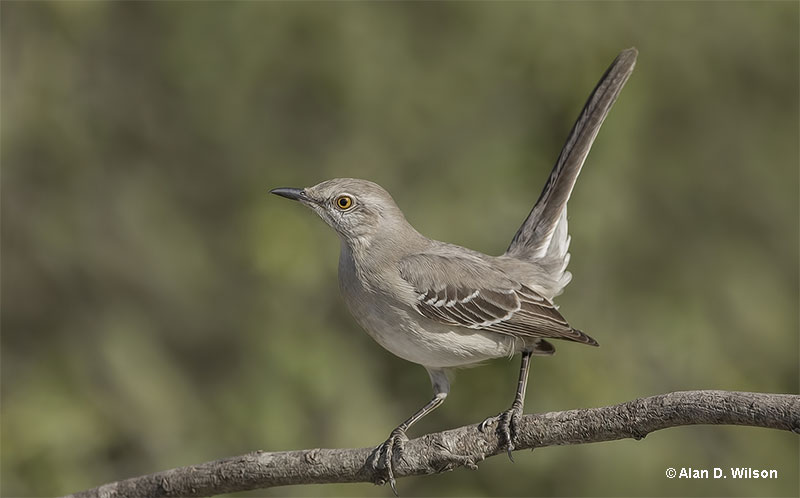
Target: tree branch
{"x": 465, "y": 446}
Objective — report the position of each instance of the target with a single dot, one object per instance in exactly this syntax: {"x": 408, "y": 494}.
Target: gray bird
{"x": 444, "y": 306}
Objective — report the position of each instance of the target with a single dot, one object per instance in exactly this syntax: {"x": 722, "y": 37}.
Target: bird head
{"x": 354, "y": 208}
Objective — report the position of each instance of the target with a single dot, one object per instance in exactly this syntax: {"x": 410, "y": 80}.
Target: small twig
{"x": 465, "y": 446}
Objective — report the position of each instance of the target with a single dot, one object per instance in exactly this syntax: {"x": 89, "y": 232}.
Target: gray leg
{"x": 508, "y": 420}
{"x": 385, "y": 452}
{"x": 522, "y": 385}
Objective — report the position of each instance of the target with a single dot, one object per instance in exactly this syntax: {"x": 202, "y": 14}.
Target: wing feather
{"x": 482, "y": 297}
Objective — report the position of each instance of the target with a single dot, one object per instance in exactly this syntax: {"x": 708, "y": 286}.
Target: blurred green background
{"x": 160, "y": 309}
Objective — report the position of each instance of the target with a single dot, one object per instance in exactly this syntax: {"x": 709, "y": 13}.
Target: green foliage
{"x": 160, "y": 309}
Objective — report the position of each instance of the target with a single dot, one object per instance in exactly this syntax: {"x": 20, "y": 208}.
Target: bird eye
{"x": 344, "y": 202}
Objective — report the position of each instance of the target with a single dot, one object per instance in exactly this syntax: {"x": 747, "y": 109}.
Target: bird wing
{"x": 468, "y": 292}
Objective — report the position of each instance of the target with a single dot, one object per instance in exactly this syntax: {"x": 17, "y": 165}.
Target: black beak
{"x": 295, "y": 194}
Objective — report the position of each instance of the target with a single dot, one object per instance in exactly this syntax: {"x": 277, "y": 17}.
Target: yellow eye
{"x": 344, "y": 202}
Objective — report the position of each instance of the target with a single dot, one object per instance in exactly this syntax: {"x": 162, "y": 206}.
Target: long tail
{"x": 535, "y": 238}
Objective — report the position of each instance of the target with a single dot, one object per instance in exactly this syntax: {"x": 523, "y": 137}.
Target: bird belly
{"x": 406, "y": 334}
{"x": 447, "y": 346}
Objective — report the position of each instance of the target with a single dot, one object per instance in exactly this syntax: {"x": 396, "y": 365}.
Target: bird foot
{"x": 382, "y": 460}
{"x": 507, "y": 423}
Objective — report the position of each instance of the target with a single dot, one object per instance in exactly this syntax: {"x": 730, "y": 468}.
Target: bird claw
{"x": 384, "y": 454}
{"x": 507, "y": 423}
{"x": 483, "y": 426}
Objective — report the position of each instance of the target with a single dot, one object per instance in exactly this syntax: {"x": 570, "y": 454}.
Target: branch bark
{"x": 465, "y": 446}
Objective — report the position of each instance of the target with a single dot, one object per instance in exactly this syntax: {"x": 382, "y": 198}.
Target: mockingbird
{"x": 444, "y": 306}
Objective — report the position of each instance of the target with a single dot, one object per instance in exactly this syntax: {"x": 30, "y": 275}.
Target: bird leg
{"x": 508, "y": 420}
{"x": 383, "y": 455}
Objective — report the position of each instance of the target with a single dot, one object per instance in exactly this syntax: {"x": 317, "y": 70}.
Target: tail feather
{"x": 544, "y": 235}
